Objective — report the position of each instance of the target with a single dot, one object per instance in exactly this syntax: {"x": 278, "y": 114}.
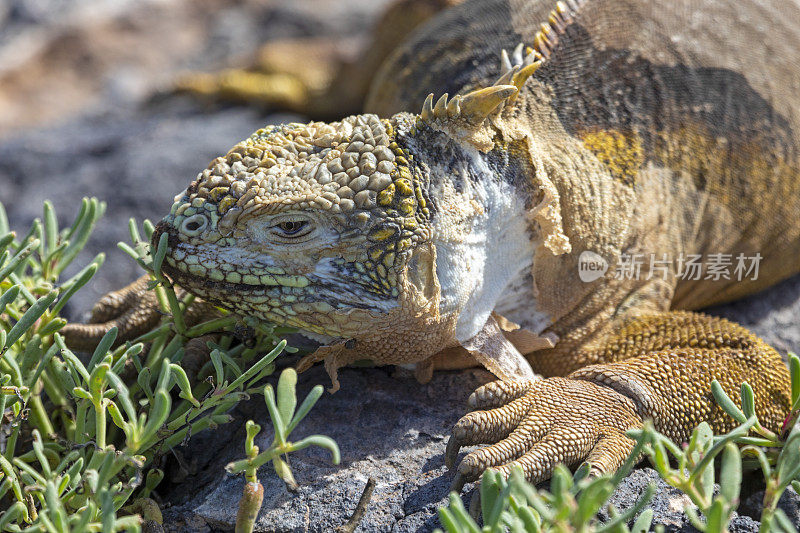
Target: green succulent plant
{"x": 85, "y": 438}
{"x": 285, "y": 416}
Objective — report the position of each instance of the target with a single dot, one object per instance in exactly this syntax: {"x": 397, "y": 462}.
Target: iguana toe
{"x": 133, "y": 310}
{"x": 497, "y": 393}
{"x": 114, "y": 303}
{"x": 609, "y": 454}
{"x": 485, "y": 427}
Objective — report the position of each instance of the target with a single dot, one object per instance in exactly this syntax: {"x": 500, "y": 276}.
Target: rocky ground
{"x": 77, "y": 79}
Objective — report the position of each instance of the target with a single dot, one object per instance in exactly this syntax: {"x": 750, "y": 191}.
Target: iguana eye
{"x": 292, "y": 228}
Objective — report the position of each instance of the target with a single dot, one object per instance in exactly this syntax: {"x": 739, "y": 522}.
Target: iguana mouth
{"x": 188, "y": 281}
{"x": 251, "y": 280}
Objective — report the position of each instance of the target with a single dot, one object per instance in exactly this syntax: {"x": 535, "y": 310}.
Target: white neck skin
{"x": 484, "y": 251}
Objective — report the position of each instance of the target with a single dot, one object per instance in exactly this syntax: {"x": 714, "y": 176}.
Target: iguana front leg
{"x": 669, "y": 361}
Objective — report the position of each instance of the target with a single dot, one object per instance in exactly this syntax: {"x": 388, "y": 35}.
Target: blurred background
{"x": 87, "y": 106}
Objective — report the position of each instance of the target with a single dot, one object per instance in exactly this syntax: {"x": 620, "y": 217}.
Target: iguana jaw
{"x": 315, "y": 298}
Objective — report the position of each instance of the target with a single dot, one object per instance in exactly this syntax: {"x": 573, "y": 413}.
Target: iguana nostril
{"x": 194, "y": 224}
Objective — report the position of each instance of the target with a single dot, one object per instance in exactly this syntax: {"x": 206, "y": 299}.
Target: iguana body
{"x": 665, "y": 129}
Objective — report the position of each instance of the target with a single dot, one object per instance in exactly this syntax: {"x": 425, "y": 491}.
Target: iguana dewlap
{"x": 662, "y": 130}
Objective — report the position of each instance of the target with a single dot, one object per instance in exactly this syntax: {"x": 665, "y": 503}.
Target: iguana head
{"x": 305, "y": 225}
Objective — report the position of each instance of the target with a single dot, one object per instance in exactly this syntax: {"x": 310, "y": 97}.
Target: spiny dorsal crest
{"x": 473, "y": 108}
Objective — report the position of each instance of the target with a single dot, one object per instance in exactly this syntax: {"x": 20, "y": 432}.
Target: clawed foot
{"x": 538, "y": 424}
{"x": 133, "y": 310}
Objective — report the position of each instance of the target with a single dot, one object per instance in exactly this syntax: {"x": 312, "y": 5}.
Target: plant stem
{"x": 211, "y": 326}
{"x": 11, "y": 443}
{"x": 100, "y": 424}
{"x": 249, "y": 505}
{"x": 53, "y": 391}
{"x": 39, "y": 417}
{"x": 361, "y": 508}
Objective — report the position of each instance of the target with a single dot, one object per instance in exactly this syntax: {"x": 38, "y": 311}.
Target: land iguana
{"x": 660, "y": 130}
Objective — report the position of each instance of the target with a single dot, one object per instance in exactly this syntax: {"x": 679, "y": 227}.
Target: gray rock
{"x": 789, "y": 503}
{"x": 389, "y": 428}
{"x": 772, "y": 314}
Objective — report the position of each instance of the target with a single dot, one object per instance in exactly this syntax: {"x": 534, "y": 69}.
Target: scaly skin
{"x": 419, "y": 238}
